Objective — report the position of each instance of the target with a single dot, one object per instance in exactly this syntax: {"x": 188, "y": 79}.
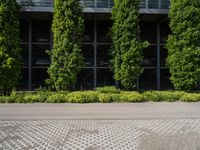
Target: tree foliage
{"x": 184, "y": 44}
{"x": 66, "y": 55}
{"x": 126, "y": 49}
{"x": 10, "y": 51}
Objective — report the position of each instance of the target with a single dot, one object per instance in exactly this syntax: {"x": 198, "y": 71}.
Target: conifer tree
{"x": 184, "y": 44}
{"x": 66, "y": 55}
{"x": 127, "y": 48}
{"x": 10, "y": 51}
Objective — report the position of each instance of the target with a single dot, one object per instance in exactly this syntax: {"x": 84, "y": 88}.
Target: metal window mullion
{"x": 95, "y": 1}
{"x": 95, "y": 51}
{"x": 159, "y": 5}
{"x": 30, "y": 57}
{"x": 158, "y": 56}
{"x": 147, "y": 4}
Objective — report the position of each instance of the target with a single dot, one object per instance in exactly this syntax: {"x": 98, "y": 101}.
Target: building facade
{"x": 36, "y": 38}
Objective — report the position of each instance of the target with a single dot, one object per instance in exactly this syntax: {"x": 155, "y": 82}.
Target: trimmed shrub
{"x": 4, "y": 99}
{"x": 66, "y": 55}
{"x": 108, "y": 89}
{"x": 56, "y": 98}
{"x": 183, "y": 44}
{"x": 82, "y": 97}
{"x": 127, "y": 49}
{"x": 151, "y": 96}
{"x": 190, "y": 97}
{"x": 32, "y": 98}
{"x": 17, "y": 98}
{"x": 131, "y": 97}
{"x": 105, "y": 98}
{"x": 115, "y": 97}
{"x": 158, "y": 96}
{"x": 10, "y": 51}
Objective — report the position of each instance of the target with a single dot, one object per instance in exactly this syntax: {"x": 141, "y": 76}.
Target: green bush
{"x": 151, "y": 96}
{"x": 105, "y": 98}
{"x": 108, "y": 89}
{"x": 190, "y": 97}
{"x": 82, "y": 97}
{"x": 32, "y": 98}
{"x": 127, "y": 49}
{"x": 66, "y": 55}
{"x": 17, "y": 98}
{"x": 183, "y": 44}
{"x": 10, "y": 51}
{"x": 131, "y": 97}
{"x": 158, "y": 96}
{"x": 56, "y": 98}
{"x": 115, "y": 97}
{"x": 4, "y": 99}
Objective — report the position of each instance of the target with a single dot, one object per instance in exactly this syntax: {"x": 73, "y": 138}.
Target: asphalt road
{"x": 148, "y": 110}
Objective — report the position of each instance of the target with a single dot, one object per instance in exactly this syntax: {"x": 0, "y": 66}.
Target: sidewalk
{"x": 122, "y": 111}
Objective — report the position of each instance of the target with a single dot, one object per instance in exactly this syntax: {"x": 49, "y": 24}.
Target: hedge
{"x": 101, "y": 95}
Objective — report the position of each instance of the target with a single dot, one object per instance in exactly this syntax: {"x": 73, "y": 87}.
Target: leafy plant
{"x": 82, "y": 97}
{"x": 131, "y": 97}
{"x": 190, "y": 97}
{"x": 183, "y": 44}
{"x": 56, "y": 98}
{"x": 66, "y": 56}
{"x": 10, "y": 51}
{"x": 108, "y": 89}
{"x": 105, "y": 98}
{"x": 126, "y": 49}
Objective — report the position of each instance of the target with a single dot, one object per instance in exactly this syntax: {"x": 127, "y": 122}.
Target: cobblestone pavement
{"x": 169, "y": 134}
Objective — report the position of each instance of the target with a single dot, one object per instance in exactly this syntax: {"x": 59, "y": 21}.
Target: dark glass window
{"x": 23, "y": 82}
{"x": 150, "y": 56}
{"x": 148, "y": 32}
{"x": 24, "y": 31}
{"x": 103, "y": 28}
{"x": 163, "y": 56}
{"x": 164, "y": 79}
{"x": 85, "y": 80}
{"x": 39, "y": 55}
{"x": 25, "y": 54}
{"x": 41, "y": 31}
{"x": 88, "y": 55}
{"x": 164, "y": 32}
{"x": 88, "y": 35}
{"x": 148, "y": 79}
{"x": 153, "y": 3}
{"x": 39, "y": 75}
{"x": 105, "y": 77}
{"x": 103, "y": 55}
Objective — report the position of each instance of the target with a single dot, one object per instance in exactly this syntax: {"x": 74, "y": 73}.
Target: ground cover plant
{"x": 100, "y": 95}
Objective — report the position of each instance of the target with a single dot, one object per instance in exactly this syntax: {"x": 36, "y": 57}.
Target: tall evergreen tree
{"x": 66, "y": 55}
{"x": 127, "y": 48}
{"x": 184, "y": 44}
{"x": 10, "y": 52}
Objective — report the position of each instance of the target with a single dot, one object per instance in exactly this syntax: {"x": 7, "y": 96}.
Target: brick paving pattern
{"x": 155, "y": 134}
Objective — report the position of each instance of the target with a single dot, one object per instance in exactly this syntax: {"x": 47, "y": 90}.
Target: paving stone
{"x": 169, "y": 134}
